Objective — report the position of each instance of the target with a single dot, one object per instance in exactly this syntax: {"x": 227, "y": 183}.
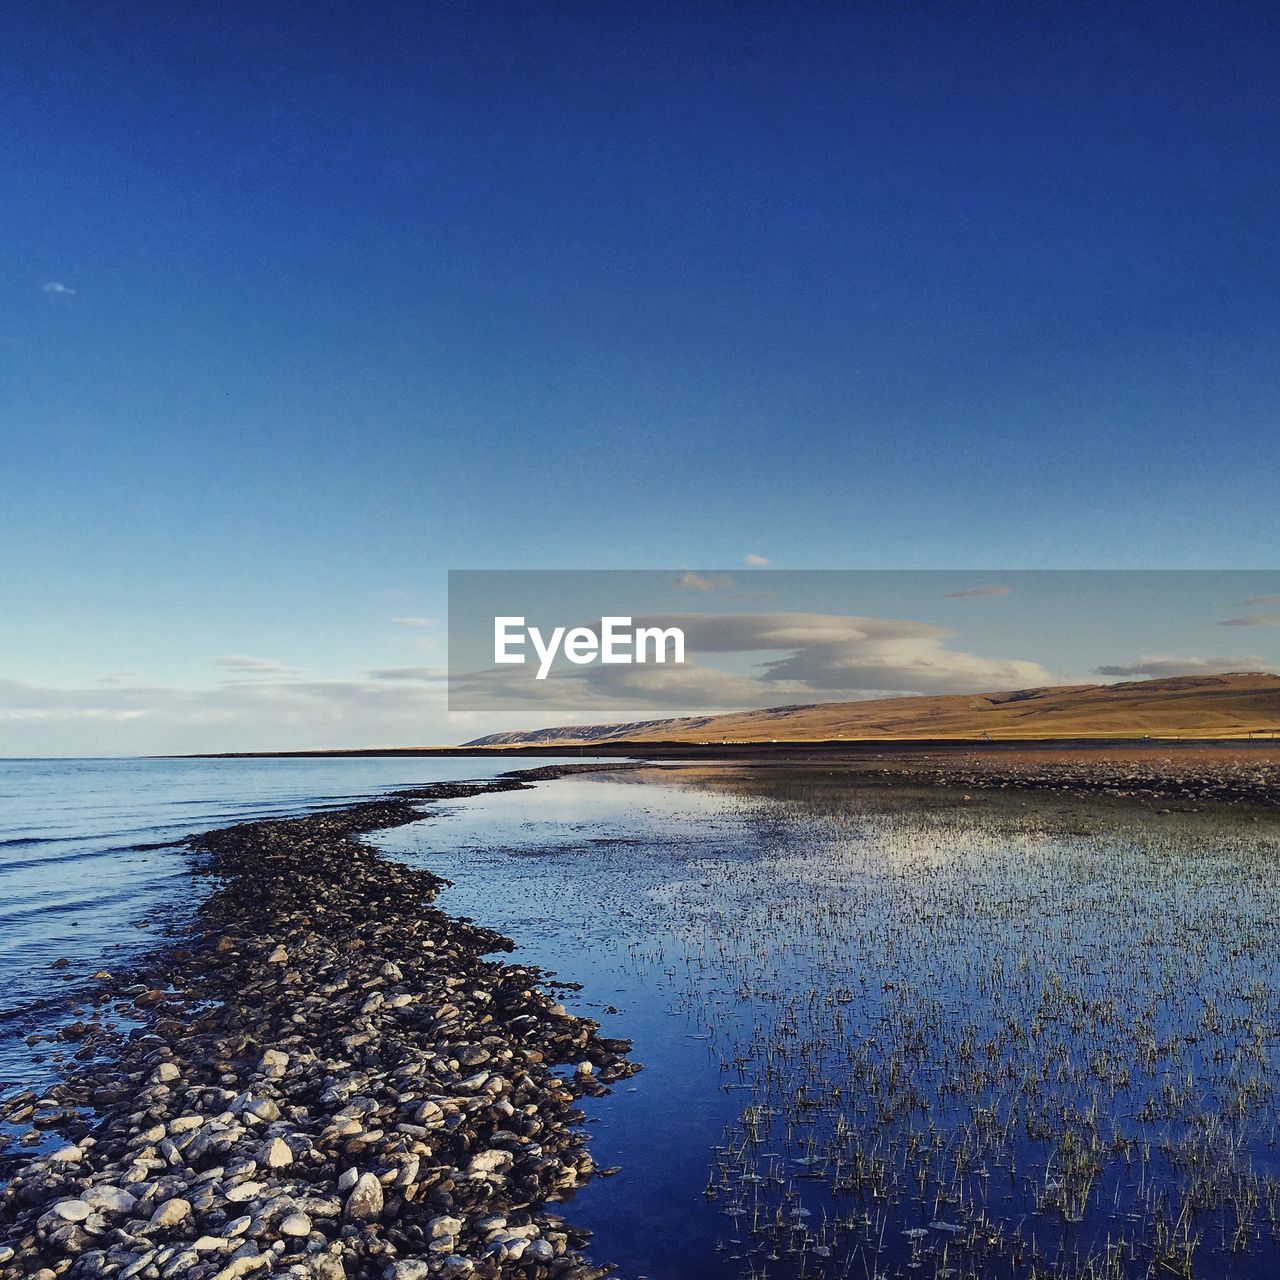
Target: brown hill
{"x": 1215, "y": 706}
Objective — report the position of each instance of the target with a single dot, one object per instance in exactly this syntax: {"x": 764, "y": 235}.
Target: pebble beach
{"x": 325, "y": 1077}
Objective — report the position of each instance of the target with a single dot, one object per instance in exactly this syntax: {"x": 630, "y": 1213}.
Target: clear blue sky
{"x": 304, "y": 306}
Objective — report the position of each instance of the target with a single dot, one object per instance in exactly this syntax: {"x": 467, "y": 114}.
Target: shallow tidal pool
{"x": 899, "y": 1032}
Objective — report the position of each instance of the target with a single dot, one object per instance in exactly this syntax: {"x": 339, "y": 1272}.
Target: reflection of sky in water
{"x": 866, "y": 973}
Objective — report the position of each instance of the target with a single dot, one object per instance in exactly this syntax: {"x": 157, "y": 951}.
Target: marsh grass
{"x": 989, "y": 1039}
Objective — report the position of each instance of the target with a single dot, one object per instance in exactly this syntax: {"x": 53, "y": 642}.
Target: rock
{"x": 171, "y": 1213}
{"x": 296, "y": 1224}
{"x": 276, "y": 1154}
{"x": 243, "y": 1265}
{"x": 108, "y": 1199}
{"x": 72, "y": 1210}
{"x": 364, "y": 1204}
{"x": 407, "y": 1269}
{"x": 247, "y": 1104}
{"x": 274, "y": 1062}
{"x": 490, "y": 1161}
{"x": 180, "y": 1264}
{"x": 69, "y": 1237}
{"x": 430, "y": 1115}
{"x": 278, "y": 956}
{"x": 508, "y": 1248}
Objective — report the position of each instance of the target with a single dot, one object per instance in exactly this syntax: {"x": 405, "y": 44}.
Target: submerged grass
{"x": 989, "y": 1039}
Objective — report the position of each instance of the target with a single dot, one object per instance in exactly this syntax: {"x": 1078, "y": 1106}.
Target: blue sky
{"x": 304, "y": 306}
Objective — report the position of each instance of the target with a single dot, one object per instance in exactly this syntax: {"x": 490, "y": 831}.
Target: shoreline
{"x": 329, "y": 1079}
{"x": 826, "y": 748}
{"x": 1177, "y": 773}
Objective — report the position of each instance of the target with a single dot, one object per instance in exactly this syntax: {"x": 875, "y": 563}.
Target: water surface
{"x": 899, "y": 1033}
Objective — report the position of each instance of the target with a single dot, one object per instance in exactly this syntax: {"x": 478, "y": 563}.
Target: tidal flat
{"x": 884, "y": 1026}
{"x": 903, "y": 1030}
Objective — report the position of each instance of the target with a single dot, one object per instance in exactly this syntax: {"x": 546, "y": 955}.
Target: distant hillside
{"x": 1225, "y": 706}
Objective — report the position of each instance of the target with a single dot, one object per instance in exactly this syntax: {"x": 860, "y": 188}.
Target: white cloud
{"x": 255, "y": 666}
{"x": 979, "y": 593}
{"x": 61, "y": 290}
{"x": 1260, "y": 602}
{"x": 803, "y": 657}
{"x": 1252, "y": 620}
{"x": 756, "y": 562}
{"x": 703, "y": 582}
{"x": 722, "y": 584}
{"x": 831, "y": 652}
{"x": 414, "y": 622}
{"x": 260, "y": 715}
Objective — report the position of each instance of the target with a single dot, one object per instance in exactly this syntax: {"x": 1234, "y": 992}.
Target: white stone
{"x": 274, "y": 1062}
{"x": 109, "y": 1199}
{"x": 365, "y": 1201}
{"x": 172, "y": 1212}
{"x": 407, "y": 1269}
{"x": 490, "y": 1161}
{"x": 276, "y": 1154}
